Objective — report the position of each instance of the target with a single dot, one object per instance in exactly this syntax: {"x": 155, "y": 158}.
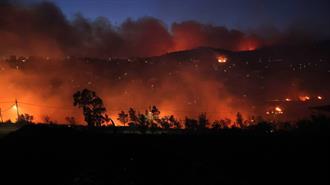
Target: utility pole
{"x": 16, "y": 104}
{"x": 1, "y": 116}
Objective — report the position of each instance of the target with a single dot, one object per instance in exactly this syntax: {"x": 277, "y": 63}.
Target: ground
{"x": 60, "y": 155}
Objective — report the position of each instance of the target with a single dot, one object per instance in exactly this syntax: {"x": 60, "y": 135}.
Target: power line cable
{"x": 117, "y": 110}
{"x": 6, "y": 102}
{"x": 46, "y": 106}
{"x": 7, "y": 109}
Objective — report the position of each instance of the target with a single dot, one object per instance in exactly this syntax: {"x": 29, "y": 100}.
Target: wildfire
{"x": 304, "y": 98}
{"x": 249, "y": 44}
{"x": 288, "y": 99}
{"x": 222, "y": 59}
{"x": 279, "y": 110}
{"x": 275, "y": 111}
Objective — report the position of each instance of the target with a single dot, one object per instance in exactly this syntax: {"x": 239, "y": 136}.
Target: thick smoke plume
{"x": 41, "y": 29}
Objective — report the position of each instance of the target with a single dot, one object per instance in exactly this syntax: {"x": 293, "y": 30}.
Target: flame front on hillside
{"x": 222, "y": 59}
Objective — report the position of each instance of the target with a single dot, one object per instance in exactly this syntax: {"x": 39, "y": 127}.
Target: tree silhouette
{"x": 165, "y": 122}
{"x": 92, "y": 106}
{"x": 203, "y": 122}
{"x": 221, "y": 124}
{"x": 48, "y": 120}
{"x": 226, "y": 123}
{"x": 168, "y": 122}
{"x": 133, "y": 117}
{"x": 176, "y": 124}
{"x": 24, "y": 119}
{"x": 262, "y": 127}
{"x": 239, "y": 120}
{"x": 191, "y": 124}
{"x": 155, "y": 113}
{"x": 143, "y": 122}
{"x": 71, "y": 120}
{"x": 123, "y": 117}
{"x": 216, "y": 125}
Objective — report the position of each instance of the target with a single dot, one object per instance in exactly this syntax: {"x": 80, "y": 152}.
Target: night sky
{"x": 241, "y": 14}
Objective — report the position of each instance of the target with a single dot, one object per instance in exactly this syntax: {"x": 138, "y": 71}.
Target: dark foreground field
{"x": 60, "y": 155}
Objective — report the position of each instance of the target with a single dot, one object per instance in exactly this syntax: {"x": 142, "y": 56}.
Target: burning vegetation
{"x": 180, "y": 84}
{"x": 222, "y": 59}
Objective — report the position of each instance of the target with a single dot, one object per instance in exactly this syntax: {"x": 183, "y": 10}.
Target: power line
{"x": 46, "y": 106}
{"x": 17, "y": 111}
{"x": 7, "y": 109}
{"x": 123, "y": 108}
{"x": 116, "y": 110}
{"x": 6, "y": 102}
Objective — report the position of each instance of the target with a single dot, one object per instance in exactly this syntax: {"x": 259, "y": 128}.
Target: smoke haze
{"x": 41, "y": 29}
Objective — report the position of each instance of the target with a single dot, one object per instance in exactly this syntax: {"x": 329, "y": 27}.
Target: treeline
{"x": 151, "y": 120}
{"x": 133, "y": 122}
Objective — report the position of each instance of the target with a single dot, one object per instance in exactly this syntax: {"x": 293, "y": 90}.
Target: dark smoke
{"x": 42, "y": 29}
{"x": 191, "y": 34}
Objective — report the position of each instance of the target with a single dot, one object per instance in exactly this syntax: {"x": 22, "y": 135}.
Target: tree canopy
{"x": 92, "y": 106}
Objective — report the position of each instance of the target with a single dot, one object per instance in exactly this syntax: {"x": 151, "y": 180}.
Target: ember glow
{"x": 279, "y": 110}
{"x": 275, "y": 111}
{"x": 222, "y": 59}
{"x": 288, "y": 99}
{"x": 48, "y": 94}
{"x": 304, "y": 98}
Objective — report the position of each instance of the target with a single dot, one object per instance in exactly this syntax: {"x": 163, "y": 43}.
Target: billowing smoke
{"x": 191, "y": 34}
{"x": 41, "y": 29}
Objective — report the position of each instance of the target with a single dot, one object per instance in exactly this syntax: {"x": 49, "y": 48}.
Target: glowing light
{"x": 278, "y": 109}
{"x": 320, "y": 97}
{"x": 304, "y": 98}
{"x": 222, "y": 59}
{"x": 288, "y": 99}
{"x": 248, "y": 45}
{"x": 275, "y": 111}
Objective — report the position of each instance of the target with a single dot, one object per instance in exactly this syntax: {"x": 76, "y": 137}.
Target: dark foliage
{"x": 71, "y": 120}
{"x": 53, "y": 154}
{"x": 24, "y": 119}
{"x": 123, "y": 117}
{"x": 93, "y": 108}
